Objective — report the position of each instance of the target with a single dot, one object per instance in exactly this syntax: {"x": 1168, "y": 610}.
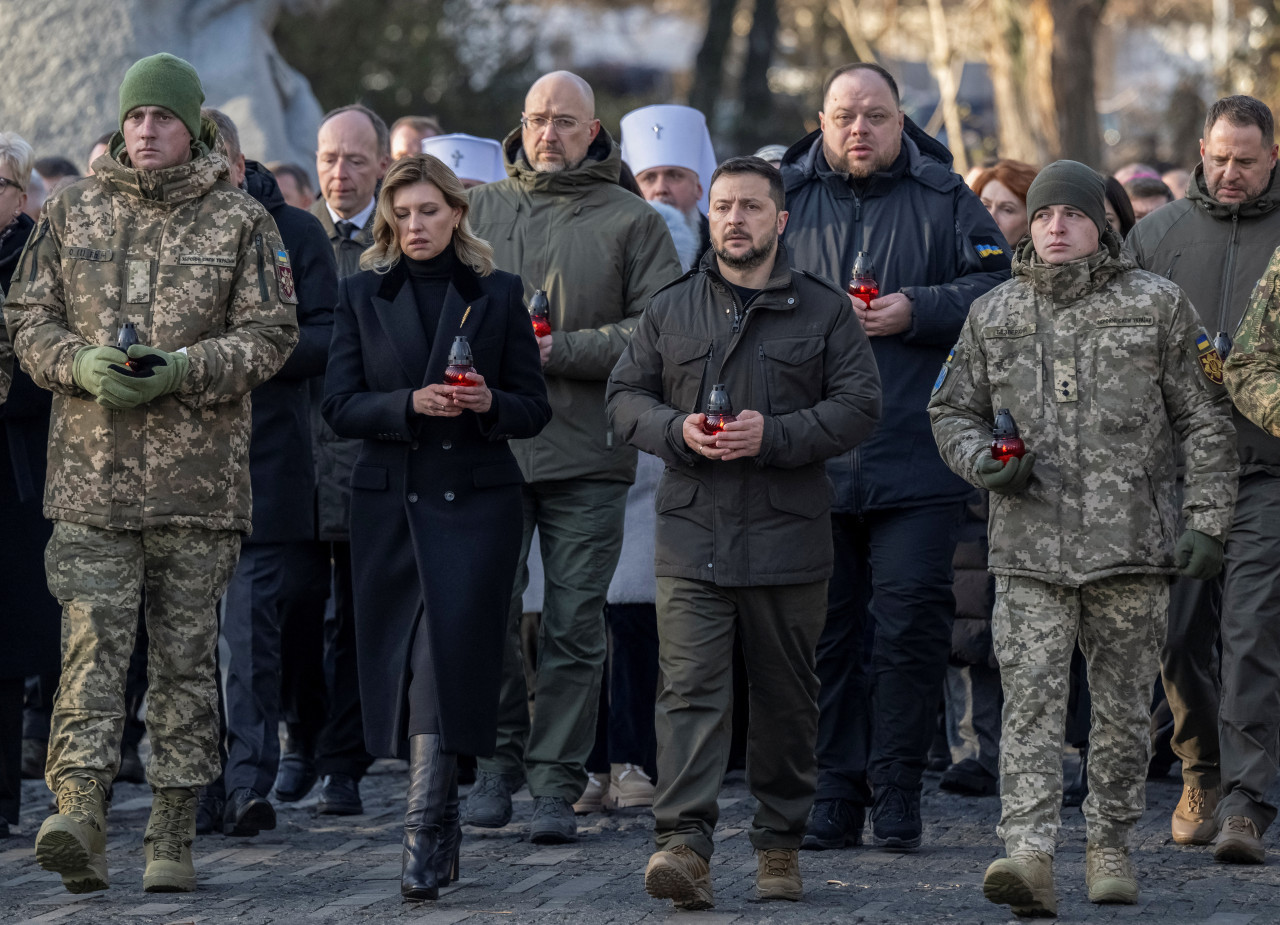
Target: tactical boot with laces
{"x": 778, "y": 874}
{"x": 682, "y": 876}
{"x": 1108, "y": 873}
{"x": 73, "y": 842}
{"x": 1193, "y": 822}
{"x": 489, "y": 803}
{"x": 167, "y": 842}
{"x": 1024, "y": 882}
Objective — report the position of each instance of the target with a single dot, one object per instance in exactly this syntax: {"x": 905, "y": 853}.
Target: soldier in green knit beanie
{"x": 167, "y": 83}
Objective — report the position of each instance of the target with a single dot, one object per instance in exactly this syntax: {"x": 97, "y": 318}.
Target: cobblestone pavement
{"x": 335, "y": 871}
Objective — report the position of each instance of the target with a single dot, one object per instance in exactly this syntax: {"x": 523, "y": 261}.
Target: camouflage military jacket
{"x": 1105, "y": 368}
{"x": 195, "y": 263}
{"x": 1253, "y": 369}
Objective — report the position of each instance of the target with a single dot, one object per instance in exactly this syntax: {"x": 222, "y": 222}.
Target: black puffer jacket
{"x": 930, "y": 238}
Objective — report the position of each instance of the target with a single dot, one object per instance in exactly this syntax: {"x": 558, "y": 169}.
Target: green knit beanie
{"x": 164, "y": 80}
{"x": 1070, "y": 183}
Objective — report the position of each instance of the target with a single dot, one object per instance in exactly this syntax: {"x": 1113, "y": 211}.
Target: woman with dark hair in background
{"x": 434, "y": 492}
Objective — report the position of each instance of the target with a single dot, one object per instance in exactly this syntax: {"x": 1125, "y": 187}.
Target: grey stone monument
{"x": 64, "y": 60}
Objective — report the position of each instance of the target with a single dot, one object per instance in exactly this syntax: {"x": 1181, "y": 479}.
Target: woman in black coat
{"x": 435, "y": 492}
{"x": 30, "y": 617}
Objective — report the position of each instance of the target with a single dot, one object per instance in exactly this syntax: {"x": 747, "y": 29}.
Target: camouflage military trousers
{"x": 99, "y": 576}
{"x": 1120, "y": 622}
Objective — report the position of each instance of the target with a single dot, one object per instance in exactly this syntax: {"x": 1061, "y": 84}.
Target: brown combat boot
{"x": 1024, "y": 882}
{"x": 167, "y": 842}
{"x": 1108, "y": 873}
{"x": 778, "y": 874}
{"x": 1193, "y": 822}
{"x": 73, "y": 842}
{"x": 680, "y": 875}
{"x": 1239, "y": 842}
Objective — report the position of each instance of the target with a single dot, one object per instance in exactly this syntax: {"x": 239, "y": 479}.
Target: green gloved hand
{"x": 155, "y": 373}
{"x": 90, "y": 365}
{"x": 1198, "y": 555}
{"x": 1009, "y": 477}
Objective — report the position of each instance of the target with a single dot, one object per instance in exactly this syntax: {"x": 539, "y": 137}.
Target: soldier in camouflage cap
{"x": 1108, "y": 373}
{"x": 148, "y": 479}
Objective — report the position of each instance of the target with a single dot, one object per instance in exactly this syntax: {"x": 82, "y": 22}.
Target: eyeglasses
{"x": 5, "y": 181}
{"x": 564, "y": 125}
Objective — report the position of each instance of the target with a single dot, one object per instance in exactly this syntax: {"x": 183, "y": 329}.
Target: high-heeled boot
{"x": 446, "y": 859}
{"x": 431, "y": 774}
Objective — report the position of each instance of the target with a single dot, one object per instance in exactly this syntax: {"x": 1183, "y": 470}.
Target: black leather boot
{"x": 446, "y": 859}
{"x": 1078, "y": 788}
{"x": 432, "y": 775}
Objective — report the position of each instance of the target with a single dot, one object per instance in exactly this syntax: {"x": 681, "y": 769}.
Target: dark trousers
{"x": 624, "y": 723}
{"x": 11, "y": 694}
{"x": 779, "y": 626}
{"x": 268, "y": 578}
{"x": 320, "y": 688}
{"x": 1249, "y": 719}
{"x": 894, "y": 569}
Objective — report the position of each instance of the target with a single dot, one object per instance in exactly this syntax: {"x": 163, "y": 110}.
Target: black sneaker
{"x": 895, "y": 818}
{"x": 834, "y": 824}
{"x": 969, "y": 778}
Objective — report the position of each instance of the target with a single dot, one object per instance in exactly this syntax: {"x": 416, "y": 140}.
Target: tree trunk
{"x": 1075, "y": 31}
{"x": 1041, "y": 63}
{"x": 947, "y": 74}
{"x": 754, "y": 126}
{"x": 708, "y": 67}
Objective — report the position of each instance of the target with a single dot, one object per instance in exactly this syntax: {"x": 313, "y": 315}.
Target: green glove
{"x": 89, "y": 367}
{"x": 1198, "y": 555}
{"x": 1009, "y": 477}
{"x": 156, "y": 373}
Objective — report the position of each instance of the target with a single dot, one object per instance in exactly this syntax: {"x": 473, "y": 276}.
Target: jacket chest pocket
{"x": 684, "y": 367}
{"x": 792, "y": 372}
{"x": 1126, "y": 374}
{"x": 192, "y": 294}
{"x": 1016, "y": 370}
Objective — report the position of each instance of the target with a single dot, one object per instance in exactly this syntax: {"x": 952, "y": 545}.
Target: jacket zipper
{"x": 262, "y": 270}
{"x": 702, "y": 386}
{"x": 764, "y": 383}
{"x": 1227, "y": 287}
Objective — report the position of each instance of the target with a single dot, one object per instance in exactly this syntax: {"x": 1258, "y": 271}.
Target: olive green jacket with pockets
{"x": 599, "y": 252}
{"x": 798, "y": 356}
{"x": 1106, "y": 369}
{"x": 1216, "y": 252}
{"x": 195, "y": 263}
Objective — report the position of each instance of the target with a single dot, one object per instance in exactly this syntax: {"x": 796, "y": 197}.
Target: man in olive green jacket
{"x": 562, "y": 222}
{"x": 1215, "y": 244}
{"x": 148, "y": 480}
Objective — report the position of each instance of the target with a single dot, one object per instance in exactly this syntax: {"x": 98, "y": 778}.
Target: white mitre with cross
{"x": 469, "y": 157}
{"x": 667, "y": 135}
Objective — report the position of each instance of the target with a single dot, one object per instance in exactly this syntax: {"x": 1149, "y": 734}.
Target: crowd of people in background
{"x": 553, "y": 572}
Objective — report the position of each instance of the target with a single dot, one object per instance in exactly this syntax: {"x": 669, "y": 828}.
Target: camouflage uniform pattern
{"x": 194, "y": 263}
{"x": 1107, "y": 372}
{"x": 98, "y": 575}
{"x": 1252, "y": 371}
{"x": 1120, "y": 622}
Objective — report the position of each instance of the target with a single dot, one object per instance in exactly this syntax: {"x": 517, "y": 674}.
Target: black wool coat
{"x": 281, "y": 467}
{"x": 435, "y": 502}
{"x": 30, "y": 617}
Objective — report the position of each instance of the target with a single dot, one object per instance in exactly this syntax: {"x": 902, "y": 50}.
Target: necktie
{"x": 346, "y": 230}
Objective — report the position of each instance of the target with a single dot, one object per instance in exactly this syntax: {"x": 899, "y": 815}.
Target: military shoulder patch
{"x": 988, "y": 248}
{"x": 284, "y": 277}
{"x": 1210, "y": 361}
{"x": 942, "y": 373}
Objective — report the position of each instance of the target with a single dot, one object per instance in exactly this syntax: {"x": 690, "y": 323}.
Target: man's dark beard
{"x": 751, "y": 259}
{"x": 840, "y": 164}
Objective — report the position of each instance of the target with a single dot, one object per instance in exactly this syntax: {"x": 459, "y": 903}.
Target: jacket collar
{"x": 463, "y": 312}
{"x": 170, "y": 185}
{"x": 779, "y": 277}
{"x": 1198, "y": 193}
{"x": 1067, "y": 282}
{"x": 603, "y": 164}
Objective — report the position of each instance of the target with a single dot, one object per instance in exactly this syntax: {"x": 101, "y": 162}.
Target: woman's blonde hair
{"x": 383, "y": 254}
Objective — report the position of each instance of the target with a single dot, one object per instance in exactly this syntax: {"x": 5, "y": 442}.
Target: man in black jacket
{"x": 279, "y": 569}
{"x": 743, "y": 541}
{"x": 870, "y": 180}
